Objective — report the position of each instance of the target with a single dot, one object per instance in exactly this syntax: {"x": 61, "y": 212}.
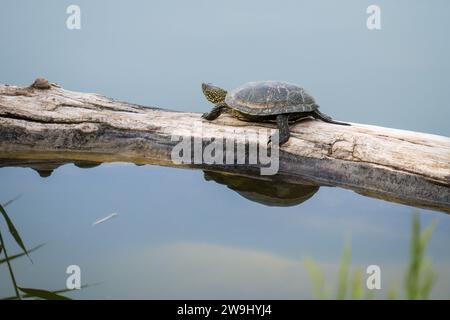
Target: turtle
{"x": 265, "y": 101}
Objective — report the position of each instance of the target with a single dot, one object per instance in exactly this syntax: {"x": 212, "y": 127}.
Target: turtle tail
{"x": 319, "y": 115}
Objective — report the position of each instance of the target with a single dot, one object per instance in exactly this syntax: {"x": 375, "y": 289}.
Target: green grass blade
{"x": 54, "y": 291}
{"x": 43, "y": 294}
{"x": 7, "y": 203}
{"x": 343, "y": 272}
{"x": 428, "y": 280}
{"x": 317, "y": 278}
{"x": 11, "y": 272}
{"x": 21, "y": 254}
{"x": 412, "y": 274}
{"x": 420, "y": 277}
{"x": 357, "y": 285}
{"x": 13, "y": 231}
{"x": 425, "y": 236}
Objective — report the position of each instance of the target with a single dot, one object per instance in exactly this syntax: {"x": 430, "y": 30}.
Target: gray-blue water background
{"x": 176, "y": 235}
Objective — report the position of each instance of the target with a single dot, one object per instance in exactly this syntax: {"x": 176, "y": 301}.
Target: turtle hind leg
{"x": 283, "y": 128}
{"x": 215, "y": 112}
{"x": 319, "y": 115}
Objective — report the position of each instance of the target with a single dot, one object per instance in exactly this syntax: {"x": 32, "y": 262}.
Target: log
{"x": 54, "y": 125}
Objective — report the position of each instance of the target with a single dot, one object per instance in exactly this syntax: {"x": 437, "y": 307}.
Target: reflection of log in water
{"x": 396, "y": 165}
{"x": 269, "y": 192}
{"x": 45, "y": 168}
{"x": 266, "y": 190}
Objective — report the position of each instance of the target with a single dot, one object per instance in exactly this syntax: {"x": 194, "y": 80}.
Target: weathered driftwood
{"x": 51, "y": 125}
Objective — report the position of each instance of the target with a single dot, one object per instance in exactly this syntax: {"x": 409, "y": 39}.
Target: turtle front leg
{"x": 215, "y": 112}
{"x": 283, "y": 129}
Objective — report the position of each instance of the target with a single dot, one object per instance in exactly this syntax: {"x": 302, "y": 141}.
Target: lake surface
{"x": 177, "y": 234}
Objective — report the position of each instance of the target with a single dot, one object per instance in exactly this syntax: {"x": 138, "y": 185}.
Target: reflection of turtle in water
{"x": 267, "y": 192}
{"x": 265, "y": 101}
{"x": 86, "y": 164}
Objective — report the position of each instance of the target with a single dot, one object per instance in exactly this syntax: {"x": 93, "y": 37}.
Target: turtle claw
{"x": 215, "y": 112}
{"x": 208, "y": 116}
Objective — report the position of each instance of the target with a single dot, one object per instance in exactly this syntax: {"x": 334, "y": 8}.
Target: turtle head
{"x": 213, "y": 93}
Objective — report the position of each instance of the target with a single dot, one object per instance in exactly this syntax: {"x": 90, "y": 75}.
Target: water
{"x": 177, "y": 235}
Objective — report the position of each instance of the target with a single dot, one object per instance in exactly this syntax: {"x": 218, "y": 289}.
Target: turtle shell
{"x": 270, "y": 98}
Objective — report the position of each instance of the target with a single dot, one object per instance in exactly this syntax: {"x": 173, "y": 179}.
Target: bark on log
{"x": 38, "y": 124}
